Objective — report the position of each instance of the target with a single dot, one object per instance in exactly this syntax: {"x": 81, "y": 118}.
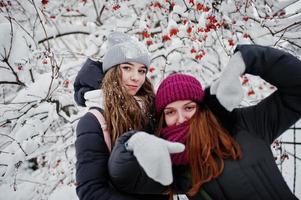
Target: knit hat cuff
{"x": 126, "y": 51}
{"x": 179, "y": 90}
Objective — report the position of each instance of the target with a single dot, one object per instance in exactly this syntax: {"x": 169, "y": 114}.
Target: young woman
{"x": 127, "y": 105}
{"x": 227, "y": 154}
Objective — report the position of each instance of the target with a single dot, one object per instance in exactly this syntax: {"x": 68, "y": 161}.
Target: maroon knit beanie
{"x": 178, "y": 87}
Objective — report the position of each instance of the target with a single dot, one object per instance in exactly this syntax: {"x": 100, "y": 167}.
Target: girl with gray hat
{"x": 126, "y": 97}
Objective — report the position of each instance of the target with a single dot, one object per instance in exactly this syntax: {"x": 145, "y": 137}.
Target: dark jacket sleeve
{"x": 88, "y": 78}
{"x": 225, "y": 117}
{"x": 125, "y": 172}
{"x": 91, "y": 168}
{"x": 276, "y": 113}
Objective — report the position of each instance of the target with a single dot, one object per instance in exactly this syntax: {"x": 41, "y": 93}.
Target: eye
{"x": 126, "y": 68}
{"x": 142, "y": 71}
{"x": 169, "y": 112}
{"x": 190, "y": 108}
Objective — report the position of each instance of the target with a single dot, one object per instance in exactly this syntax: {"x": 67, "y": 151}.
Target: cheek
{"x": 170, "y": 120}
{"x": 142, "y": 79}
{"x": 124, "y": 77}
{"x": 190, "y": 114}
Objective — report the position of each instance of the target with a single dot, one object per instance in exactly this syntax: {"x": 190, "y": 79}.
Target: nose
{"x": 135, "y": 76}
{"x": 181, "y": 118}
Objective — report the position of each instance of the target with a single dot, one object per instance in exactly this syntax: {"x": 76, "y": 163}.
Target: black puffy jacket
{"x": 256, "y": 176}
{"x": 93, "y": 182}
{"x": 123, "y": 162}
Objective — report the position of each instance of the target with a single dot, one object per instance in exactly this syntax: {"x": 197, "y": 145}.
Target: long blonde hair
{"x": 121, "y": 110}
{"x": 208, "y": 145}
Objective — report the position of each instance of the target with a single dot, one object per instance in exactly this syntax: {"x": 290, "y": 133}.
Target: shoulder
{"x": 88, "y": 123}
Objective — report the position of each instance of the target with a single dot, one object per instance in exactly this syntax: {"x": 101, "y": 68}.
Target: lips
{"x": 132, "y": 87}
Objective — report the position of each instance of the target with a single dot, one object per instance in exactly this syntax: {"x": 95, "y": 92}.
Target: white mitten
{"x": 228, "y": 88}
{"x": 153, "y": 155}
{"x": 94, "y": 98}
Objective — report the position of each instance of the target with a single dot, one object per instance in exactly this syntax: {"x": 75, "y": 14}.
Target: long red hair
{"x": 208, "y": 144}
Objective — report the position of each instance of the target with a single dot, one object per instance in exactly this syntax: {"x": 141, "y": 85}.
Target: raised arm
{"x": 276, "y": 113}
{"x": 88, "y": 78}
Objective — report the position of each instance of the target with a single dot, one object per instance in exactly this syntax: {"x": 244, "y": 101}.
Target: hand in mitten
{"x": 228, "y": 88}
{"x": 153, "y": 155}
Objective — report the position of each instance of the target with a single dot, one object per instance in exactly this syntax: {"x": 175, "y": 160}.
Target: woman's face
{"x": 132, "y": 76}
{"x": 179, "y": 111}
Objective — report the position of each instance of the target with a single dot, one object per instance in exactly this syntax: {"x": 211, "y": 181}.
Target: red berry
{"x": 165, "y": 38}
{"x": 246, "y": 35}
{"x": 245, "y": 18}
{"x": 151, "y": 69}
{"x": 191, "y": 2}
{"x": 173, "y": 31}
{"x": 149, "y": 42}
{"x": 189, "y": 29}
{"x": 44, "y": 2}
{"x": 251, "y": 92}
{"x": 231, "y": 42}
{"x": 200, "y": 6}
{"x": 145, "y": 34}
{"x": 116, "y": 7}
{"x": 66, "y": 83}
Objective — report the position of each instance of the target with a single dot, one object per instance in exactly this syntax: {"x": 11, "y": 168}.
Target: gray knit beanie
{"x": 122, "y": 48}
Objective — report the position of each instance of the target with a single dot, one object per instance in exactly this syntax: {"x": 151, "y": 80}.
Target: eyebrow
{"x": 128, "y": 63}
{"x": 189, "y": 103}
{"x": 183, "y": 105}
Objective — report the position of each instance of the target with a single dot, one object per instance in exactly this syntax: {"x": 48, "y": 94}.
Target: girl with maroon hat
{"x": 227, "y": 148}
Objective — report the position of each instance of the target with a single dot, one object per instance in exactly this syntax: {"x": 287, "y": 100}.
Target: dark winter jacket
{"x": 256, "y": 176}
{"x": 91, "y": 151}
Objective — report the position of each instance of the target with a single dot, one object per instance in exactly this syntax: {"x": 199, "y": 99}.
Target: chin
{"x": 132, "y": 93}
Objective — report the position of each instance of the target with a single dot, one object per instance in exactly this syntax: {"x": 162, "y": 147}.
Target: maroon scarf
{"x": 177, "y": 133}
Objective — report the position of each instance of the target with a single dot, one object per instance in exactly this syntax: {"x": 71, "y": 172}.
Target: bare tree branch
{"x": 63, "y": 34}
{"x": 16, "y": 142}
{"x": 5, "y": 60}
{"x": 40, "y": 19}
{"x": 10, "y": 82}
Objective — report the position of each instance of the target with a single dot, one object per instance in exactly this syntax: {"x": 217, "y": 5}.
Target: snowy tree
{"x": 44, "y": 42}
